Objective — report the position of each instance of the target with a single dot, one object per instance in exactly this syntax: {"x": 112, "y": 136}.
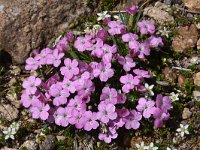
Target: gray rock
{"x": 186, "y": 113}
{"x": 8, "y": 112}
{"x": 192, "y": 4}
{"x": 32, "y": 24}
{"x": 196, "y": 95}
{"x": 30, "y": 145}
{"x": 49, "y": 143}
{"x": 159, "y": 14}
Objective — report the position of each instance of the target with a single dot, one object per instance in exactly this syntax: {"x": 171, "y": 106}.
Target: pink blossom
{"x": 31, "y": 84}
{"x": 154, "y": 42}
{"x": 103, "y": 71}
{"x": 91, "y": 122}
{"x": 68, "y": 85}
{"x": 147, "y": 107}
{"x": 141, "y": 73}
{"x": 108, "y": 52}
{"x": 132, "y": 120}
{"x": 102, "y": 34}
{"x": 55, "y": 58}
{"x": 32, "y": 63}
{"x": 27, "y": 99}
{"x": 141, "y": 49}
{"x": 163, "y": 102}
{"x": 160, "y": 117}
{"x": 77, "y": 103}
{"x": 116, "y": 27}
{"x": 62, "y": 45}
{"x": 109, "y": 95}
{"x": 83, "y": 43}
{"x": 109, "y": 135}
{"x": 146, "y": 27}
{"x": 97, "y": 48}
{"x": 69, "y": 36}
{"x": 42, "y": 56}
{"x": 77, "y": 119}
{"x": 62, "y": 116}
{"x": 106, "y": 112}
{"x": 40, "y": 110}
{"x": 70, "y": 69}
{"x": 129, "y": 82}
{"x": 130, "y": 38}
{"x": 121, "y": 98}
{"x": 132, "y": 9}
{"x": 127, "y": 63}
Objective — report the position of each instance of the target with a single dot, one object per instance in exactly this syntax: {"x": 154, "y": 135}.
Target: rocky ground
{"x": 179, "y": 24}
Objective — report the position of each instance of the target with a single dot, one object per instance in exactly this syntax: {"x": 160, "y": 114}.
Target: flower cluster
{"x": 11, "y": 131}
{"x": 92, "y": 77}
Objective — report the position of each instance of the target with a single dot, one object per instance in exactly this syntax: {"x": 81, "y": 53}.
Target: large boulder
{"x": 31, "y": 24}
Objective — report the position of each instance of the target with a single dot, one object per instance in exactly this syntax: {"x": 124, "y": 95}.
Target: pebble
{"x": 186, "y": 113}
{"x": 196, "y": 95}
{"x": 196, "y": 78}
{"x": 49, "y": 143}
{"x": 30, "y": 145}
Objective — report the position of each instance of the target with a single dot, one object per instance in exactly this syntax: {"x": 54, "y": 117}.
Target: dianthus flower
{"x": 31, "y": 84}
{"x": 127, "y": 63}
{"x": 164, "y": 103}
{"x": 129, "y": 82}
{"x": 109, "y": 95}
{"x": 116, "y": 27}
{"x": 28, "y": 99}
{"x": 40, "y": 110}
{"x": 154, "y": 42}
{"x": 83, "y": 43}
{"x": 132, "y": 120}
{"x": 108, "y": 52}
{"x": 141, "y": 73}
{"x": 77, "y": 103}
{"x": 140, "y": 49}
{"x": 42, "y": 56}
{"x": 77, "y": 119}
{"x": 55, "y": 58}
{"x": 108, "y": 135}
{"x": 106, "y": 112}
{"x": 62, "y": 45}
{"x": 91, "y": 122}
{"x": 130, "y": 38}
{"x": 32, "y": 63}
{"x": 146, "y": 27}
{"x": 62, "y": 116}
{"x": 103, "y": 71}
{"x": 146, "y": 106}
{"x": 132, "y": 9}
{"x": 70, "y": 69}
{"x": 159, "y": 117}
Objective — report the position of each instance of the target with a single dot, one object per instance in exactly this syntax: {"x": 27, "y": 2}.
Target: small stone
{"x": 170, "y": 74}
{"x": 196, "y": 78}
{"x": 186, "y": 113}
{"x": 196, "y": 95}
{"x": 168, "y": 2}
{"x": 30, "y": 145}
{"x": 49, "y": 143}
{"x": 198, "y": 44}
{"x": 181, "y": 80}
{"x": 158, "y": 14}
{"x": 8, "y": 112}
{"x": 195, "y": 60}
{"x": 60, "y": 138}
{"x": 185, "y": 39}
{"x": 192, "y": 4}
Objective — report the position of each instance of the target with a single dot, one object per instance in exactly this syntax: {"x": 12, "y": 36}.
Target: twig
{"x": 180, "y": 68}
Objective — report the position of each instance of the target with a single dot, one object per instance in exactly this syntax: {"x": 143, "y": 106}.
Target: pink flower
{"x": 108, "y": 52}
{"x": 141, "y": 49}
{"x": 146, "y": 106}
{"x": 77, "y": 103}
{"x": 62, "y": 45}
{"x": 52, "y": 80}
{"x": 27, "y": 99}
{"x": 130, "y": 38}
{"x": 154, "y": 42}
{"x": 83, "y": 43}
{"x": 62, "y": 116}
{"x": 102, "y": 34}
{"x": 121, "y": 98}
{"x": 60, "y": 95}
{"x": 129, "y": 82}
{"x": 32, "y": 63}
{"x": 132, "y": 120}
{"x": 42, "y": 57}
{"x": 40, "y": 110}
{"x": 116, "y": 27}
{"x": 146, "y": 27}
{"x": 160, "y": 117}
{"x": 132, "y": 9}
{"x": 109, "y": 135}
{"x": 91, "y": 122}
{"x": 164, "y": 103}
{"x": 106, "y": 112}
{"x": 77, "y": 119}
{"x": 70, "y": 37}
{"x": 31, "y": 84}
{"x": 141, "y": 73}
{"x": 97, "y": 48}
{"x": 70, "y": 69}
{"x": 103, "y": 71}
{"x": 55, "y": 58}
{"x": 109, "y": 95}
{"x": 86, "y": 88}
{"x": 127, "y": 63}
{"x": 68, "y": 85}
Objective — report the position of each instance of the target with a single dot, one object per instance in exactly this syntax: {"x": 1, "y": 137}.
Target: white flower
{"x": 118, "y": 18}
{"x": 9, "y": 133}
{"x": 149, "y": 89}
{"x": 103, "y": 15}
{"x": 164, "y": 32}
{"x": 174, "y": 97}
{"x": 183, "y": 130}
{"x": 152, "y": 147}
{"x": 141, "y": 146}
{"x": 170, "y": 149}
{"x": 15, "y": 126}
